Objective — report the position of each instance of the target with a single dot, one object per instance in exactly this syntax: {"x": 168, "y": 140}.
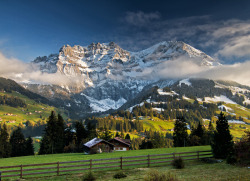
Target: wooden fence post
{"x": 21, "y": 171}
{"x": 121, "y": 162}
{"x": 58, "y": 171}
{"x": 90, "y": 164}
{"x": 173, "y": 156}
{"x": 0, "y": 175}
{"x": 198, "y": 154}
{"x": 148, "y": 160}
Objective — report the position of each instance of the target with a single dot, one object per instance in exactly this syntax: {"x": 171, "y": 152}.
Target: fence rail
{"x": 120, "y": 162}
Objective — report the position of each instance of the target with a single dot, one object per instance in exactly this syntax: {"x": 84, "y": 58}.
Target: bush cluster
{"x": 120, "y": 175}
{"x": 178, "y": 163}
{"x": 88, "y": 177}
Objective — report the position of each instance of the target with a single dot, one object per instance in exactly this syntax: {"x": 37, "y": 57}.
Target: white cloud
{"x": 140, "y": 18}
{"x": 238, "y": 72}
{"x": 180, "y": 68}
{"x": 236, "y": 47}
{"x": 21, "y": 72}
{"x": 11, "y": 65}
{"x": 188, "y": 68}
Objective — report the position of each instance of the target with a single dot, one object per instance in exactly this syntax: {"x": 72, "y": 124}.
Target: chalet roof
{"x": 95, "y": 141}
{"x": 124, "y": 141}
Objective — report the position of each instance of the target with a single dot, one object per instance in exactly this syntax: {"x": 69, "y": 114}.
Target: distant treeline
{"x": 115, "y": 123}
{"x": 192, "y": 112}
{"x": 12, "y": 101}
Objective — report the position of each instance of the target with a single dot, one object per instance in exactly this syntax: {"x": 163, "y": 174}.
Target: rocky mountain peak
{"x": 102, "y": 61}
{"x": 104, "y": 76}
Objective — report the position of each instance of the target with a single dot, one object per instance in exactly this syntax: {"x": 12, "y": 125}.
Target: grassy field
{"x": 82, "y": 156}
{"x": 33, "y": 112}
{"x": 157, "y": 124}
{"x": 240, "y": 111}
{"x": 194, "y": 170}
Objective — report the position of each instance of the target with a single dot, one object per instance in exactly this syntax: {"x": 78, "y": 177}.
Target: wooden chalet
{"x": 120, "y": 144}
{"x": 98, "y": 145}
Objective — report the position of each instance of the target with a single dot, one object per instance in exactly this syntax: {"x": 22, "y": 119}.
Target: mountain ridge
{"x": 104, "y": 76}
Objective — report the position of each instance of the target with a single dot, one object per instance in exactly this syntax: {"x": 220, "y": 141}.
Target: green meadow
{"x": 33, "y": 112}
{"x": 81, "y": 156}
{"x": 194, "y": 170}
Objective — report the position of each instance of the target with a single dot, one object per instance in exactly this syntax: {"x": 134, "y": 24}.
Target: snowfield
{"x": 220, "y": 98}
{"x": 161, "y": 92}
{"x": 104, "y": 104}
{"x": 185, "y": 81}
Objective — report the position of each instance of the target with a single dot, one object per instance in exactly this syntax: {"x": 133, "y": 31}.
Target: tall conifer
{"x": 5, "y": 147}
{"x": 180, "y": 134}
{"x": 17, "y": 142}
{"x": 29, "y": 147}
{"x": 222, "y": 143}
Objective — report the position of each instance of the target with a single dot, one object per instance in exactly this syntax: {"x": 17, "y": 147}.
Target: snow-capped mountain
{"x": 108, "y": 75}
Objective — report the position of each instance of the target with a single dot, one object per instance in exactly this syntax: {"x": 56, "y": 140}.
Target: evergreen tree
{"x": 69, "y": 136}
{"x": 117, "y": 134}
{"x": 127, "y": 136}
{"x": 222, "y": 143}
{"x": 199, "y": 130}
{"x": 91, "y": 131}
{"x": 210, "y": 126}
{"x": 180, "y": 134}
{"x": 29, "y": 146}
{"x": 51, "y": 131}
{"x": 17, "y": 142}
{"x": 53, "y": 139}
{"x": 59, "y": 142}
{"x": 197, "y": 136}
{"x": 210, "y": 132}
{"x": 5, "y": 147}
{"x": 45, "y": 146}
{"x": 81, "y": 133}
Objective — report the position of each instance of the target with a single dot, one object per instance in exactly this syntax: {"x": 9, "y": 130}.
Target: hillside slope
{"x": 32, "y": 107}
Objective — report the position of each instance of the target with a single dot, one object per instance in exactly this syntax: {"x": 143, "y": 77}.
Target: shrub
{"x": 154, "y": 175}
{"x": 231, "y": 158}
{"x": 120, "y": 175}
{"x": 89, "y": 177}
{"x": 178, "y": 163}
{"x": 242, "y": 150}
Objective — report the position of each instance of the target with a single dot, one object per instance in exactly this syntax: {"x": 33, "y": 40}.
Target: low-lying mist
{"x": 178, "y": 69}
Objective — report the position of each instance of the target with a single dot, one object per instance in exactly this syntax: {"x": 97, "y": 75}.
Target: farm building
{"x": 120, "y": 144}
{"x": 98, "y": 145}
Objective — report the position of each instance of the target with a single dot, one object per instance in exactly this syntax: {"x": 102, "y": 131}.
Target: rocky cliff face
{"x": 108, "y": 75}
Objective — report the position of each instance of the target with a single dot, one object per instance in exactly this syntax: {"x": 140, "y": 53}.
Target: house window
{"x": 121, "y": 148}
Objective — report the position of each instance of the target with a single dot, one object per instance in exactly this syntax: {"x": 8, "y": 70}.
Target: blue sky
{"x": 31, "y": 28}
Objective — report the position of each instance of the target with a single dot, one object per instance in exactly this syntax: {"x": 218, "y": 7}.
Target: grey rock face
{"x": 108, "y": 75}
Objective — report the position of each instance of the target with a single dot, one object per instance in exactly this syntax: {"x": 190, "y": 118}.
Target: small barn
{"x": 120, "y": 144}
{"x": 98, "y": 145}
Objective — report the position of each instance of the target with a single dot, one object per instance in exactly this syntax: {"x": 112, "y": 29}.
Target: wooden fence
{"x": 59, "y": 168}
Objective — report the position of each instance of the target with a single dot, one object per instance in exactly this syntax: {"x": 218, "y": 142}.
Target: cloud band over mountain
{"x": 180, "y": 68}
